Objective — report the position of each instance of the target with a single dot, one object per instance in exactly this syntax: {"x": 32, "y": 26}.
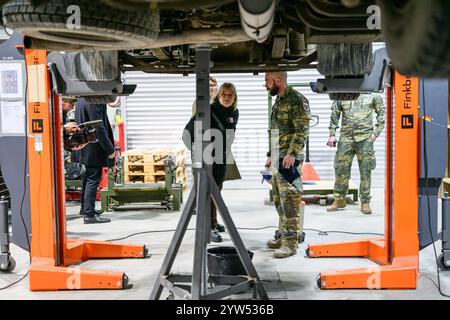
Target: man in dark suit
{"x": 94, "y": 156}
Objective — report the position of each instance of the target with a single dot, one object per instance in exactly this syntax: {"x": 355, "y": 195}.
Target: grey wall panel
{"x": 13, "y": 146}
{"x": 15, "y": 174}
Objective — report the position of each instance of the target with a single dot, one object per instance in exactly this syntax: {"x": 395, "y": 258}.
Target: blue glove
{"x": 266, "y": 175}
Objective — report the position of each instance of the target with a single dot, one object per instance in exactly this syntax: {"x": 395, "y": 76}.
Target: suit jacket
{"x": 96, "y": 154}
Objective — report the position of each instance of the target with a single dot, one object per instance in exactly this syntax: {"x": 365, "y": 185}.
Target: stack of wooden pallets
{"x": 146, "y": 165}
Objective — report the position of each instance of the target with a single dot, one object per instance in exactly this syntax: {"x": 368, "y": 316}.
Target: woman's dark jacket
{"x": 222, "y": 119}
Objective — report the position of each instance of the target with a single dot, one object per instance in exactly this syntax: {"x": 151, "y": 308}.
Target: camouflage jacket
{"x": 357, "y": 117}
{"x": 290, "y": 124}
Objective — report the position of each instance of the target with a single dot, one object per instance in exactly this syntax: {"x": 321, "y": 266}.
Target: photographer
{"x": 94, "y": 156}
{"x": 68, "y": 104}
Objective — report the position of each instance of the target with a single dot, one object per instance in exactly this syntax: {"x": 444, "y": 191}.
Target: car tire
{"x": 100, "y": 26}
{"x": 417, "y": 36}
{"x": 344, "y": 59}
{"x": 343, "y": 96}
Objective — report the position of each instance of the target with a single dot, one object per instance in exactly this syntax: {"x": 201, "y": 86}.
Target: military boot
{"x": 275, "y": 243}
{"x": 288, "y": 248}
{"x": 365, "y": 208}
{"x": 284, "y": 252}
{"x": 214, "y": 236}
{"x": 220, "y": 227}
{"x": 338, "y": 203}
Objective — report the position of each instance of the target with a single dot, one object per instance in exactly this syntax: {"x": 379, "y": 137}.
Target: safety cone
{"x": 308, "y": 171}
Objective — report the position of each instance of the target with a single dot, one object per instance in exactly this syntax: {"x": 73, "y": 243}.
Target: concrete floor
{"x": 292, "y": 278}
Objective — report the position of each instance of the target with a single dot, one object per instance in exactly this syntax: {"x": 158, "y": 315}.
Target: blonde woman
{"x": 224, "y": 117}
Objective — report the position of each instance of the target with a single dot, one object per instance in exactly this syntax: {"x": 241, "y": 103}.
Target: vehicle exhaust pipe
{"x": 257, "y": 18}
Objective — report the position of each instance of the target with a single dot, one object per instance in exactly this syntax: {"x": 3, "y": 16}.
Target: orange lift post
{"x": 53, "y": 256}
{"x": 397, "y": 252}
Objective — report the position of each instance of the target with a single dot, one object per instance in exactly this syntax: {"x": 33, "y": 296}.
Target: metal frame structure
{"x": 169, "y": 194}
{"x": 398, "y": 251}
{"x": 444, "y": 257}
{"x": 52, "y": 254}
{"x": 7, "y": 262}
{"x": 195, "y": 286}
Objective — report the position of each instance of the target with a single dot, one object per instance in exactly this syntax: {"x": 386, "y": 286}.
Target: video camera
{"x": 86, "y": 135}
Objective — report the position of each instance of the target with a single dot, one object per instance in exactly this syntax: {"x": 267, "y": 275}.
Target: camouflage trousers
{"x": 287, "y": 198}
{"x": 346, "y": 150}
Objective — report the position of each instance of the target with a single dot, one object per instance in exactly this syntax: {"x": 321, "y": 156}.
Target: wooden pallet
{"x": 143, "y": 178}
{"x": 155, "y": 156}
{"x": 151, "y": 168}
{"x": 181, "y": 177}
{"x": 146, "y": 165}
{"x": 180, "y": 171}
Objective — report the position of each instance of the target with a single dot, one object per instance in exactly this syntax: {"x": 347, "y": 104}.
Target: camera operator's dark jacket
{"x": 65, "y": 134}
{"x": 95, "y": 154}
{"x": 222, "y": 119}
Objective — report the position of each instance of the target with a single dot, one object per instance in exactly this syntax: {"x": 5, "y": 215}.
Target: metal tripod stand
{"x": 195, "y": 286}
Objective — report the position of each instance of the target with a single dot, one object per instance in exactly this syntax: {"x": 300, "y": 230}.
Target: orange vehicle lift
{"x": 53, "y": 256}
{"x": 397, "y": 253}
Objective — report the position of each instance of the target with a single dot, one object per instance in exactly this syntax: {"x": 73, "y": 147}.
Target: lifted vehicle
{"x": 246, "y": 35}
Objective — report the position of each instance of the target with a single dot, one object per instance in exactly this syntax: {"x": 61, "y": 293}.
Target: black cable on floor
{"x": 320, "y": 232}
{"x": 144, "y": 232}
{"x": 431, "y": 280}
{"x": 16, "y": 282}
{"x": 345, "y": 232}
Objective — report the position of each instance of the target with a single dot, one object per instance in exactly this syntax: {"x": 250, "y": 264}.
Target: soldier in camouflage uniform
{"x": 289, "y": 131}
{"x": 356, "y": 137}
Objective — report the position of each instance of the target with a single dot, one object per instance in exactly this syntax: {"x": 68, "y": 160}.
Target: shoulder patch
{"x": 305, "y": 104}
{"x": 297, "y": 98}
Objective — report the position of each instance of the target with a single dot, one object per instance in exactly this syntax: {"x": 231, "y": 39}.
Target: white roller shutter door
{"x": 157, "y": 112}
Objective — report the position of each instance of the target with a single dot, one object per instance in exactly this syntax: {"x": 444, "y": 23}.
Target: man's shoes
{"x": 220, "y": 227}
{"x": 94, "y": 218}
{"x": 274, "y": 243}
{"x": 284, "y": 252}
{"x": 365, "y": 208}
{"x": 82, "y": 213}
{"x": 215, "y": 236}
{"x": 338, "y": 203}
